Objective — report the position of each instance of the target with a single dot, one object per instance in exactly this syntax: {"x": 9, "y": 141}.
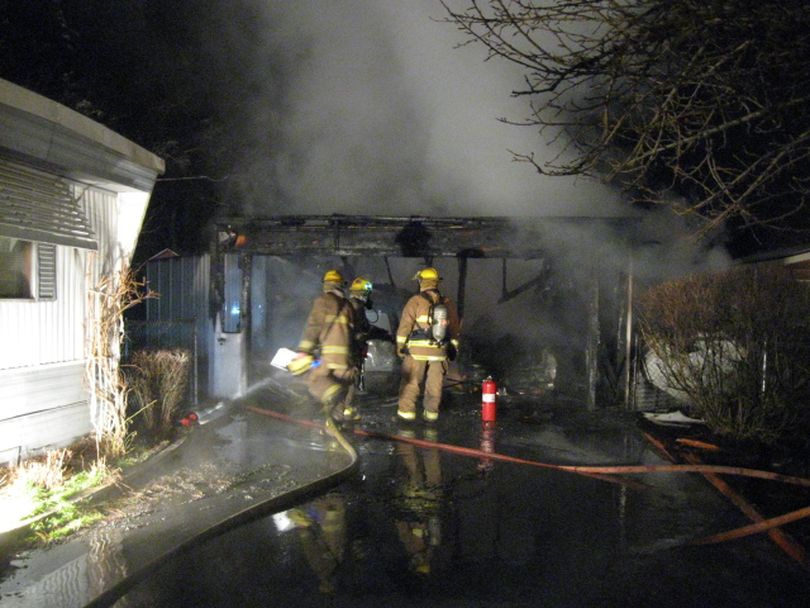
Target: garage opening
{"x": 543, "y": 306}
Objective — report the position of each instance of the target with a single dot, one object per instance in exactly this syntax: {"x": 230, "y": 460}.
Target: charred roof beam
{"x": 423, "y": 237}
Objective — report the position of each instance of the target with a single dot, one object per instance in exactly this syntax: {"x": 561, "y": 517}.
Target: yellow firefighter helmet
{"x": 333, "y": 276}
{"x": 361, "y": 286}
{"x": 427, "y": 274}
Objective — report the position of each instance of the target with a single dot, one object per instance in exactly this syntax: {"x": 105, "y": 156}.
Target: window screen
{"x": 46, "y": 271}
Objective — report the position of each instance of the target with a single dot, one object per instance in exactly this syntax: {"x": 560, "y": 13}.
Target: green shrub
{"x": 737, "y": 344}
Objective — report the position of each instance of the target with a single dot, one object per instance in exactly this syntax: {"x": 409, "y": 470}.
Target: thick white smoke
{"x": 370, "y": 107}
{"x": 375, "y": 110}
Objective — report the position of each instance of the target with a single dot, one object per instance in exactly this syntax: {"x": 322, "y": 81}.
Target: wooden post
{"x": 462, "y": 285}
{"x": 388, "y": 269}
{"x": 593, "y": 339}
{"x": 246, "y": 265}
{"x": 628, "y": 376}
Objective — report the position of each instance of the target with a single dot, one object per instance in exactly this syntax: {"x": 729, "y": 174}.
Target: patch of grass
{"x": 62, "y": 515}
{"x": 68, "y": 518}
{"x": 137, "y": 453}
{"x": 46, "y": 490}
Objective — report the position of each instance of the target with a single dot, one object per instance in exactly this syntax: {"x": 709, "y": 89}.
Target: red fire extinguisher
{"x": 488, "y": 390}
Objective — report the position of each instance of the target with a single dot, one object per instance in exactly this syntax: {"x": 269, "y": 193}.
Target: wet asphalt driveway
{"x": 416, "y": 526}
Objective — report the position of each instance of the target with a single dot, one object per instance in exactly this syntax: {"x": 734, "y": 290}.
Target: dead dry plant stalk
{"x": 158, "y": 380}
{"x": 173, "y": 377}
{"x": 46, "y": 472}
{"x": 114, "y": 293}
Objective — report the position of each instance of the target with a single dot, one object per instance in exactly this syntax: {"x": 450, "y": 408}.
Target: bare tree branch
{"x": 707, "y": 99}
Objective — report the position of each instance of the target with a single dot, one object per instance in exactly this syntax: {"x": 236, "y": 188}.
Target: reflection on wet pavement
{"x": 416, "y": 505}
{"x": 221, "y": 470}
{"x": 424, "y": 527}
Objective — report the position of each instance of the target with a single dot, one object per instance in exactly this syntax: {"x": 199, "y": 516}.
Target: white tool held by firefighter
{"x": 289, "y": 360}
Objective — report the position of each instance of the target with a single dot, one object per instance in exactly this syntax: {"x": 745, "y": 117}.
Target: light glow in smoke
{"x": 380, "y": 113}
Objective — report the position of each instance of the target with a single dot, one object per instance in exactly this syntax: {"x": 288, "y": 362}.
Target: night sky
{"x": 306, "y": 107}
{"x": 363, "y": 106}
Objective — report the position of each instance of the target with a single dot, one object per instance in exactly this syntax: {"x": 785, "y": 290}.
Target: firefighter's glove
{"x": 299, "y": 518}
{"x": 301, "y": 364}
{"x": 452, "y": 351}
{"x": 402, "y": 351}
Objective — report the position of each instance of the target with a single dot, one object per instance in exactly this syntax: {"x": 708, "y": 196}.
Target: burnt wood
{"x": 423, "y": 237}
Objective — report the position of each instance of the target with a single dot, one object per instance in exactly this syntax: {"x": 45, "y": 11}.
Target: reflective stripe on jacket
{"x": 414, "y": 326}
{"x": 329, "y": 330}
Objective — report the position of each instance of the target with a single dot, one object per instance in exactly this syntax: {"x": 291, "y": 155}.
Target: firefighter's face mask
{"x": 332, "y": 286}
{"x": 362, "y": 296}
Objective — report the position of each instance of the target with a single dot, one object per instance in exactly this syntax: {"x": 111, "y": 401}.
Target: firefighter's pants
{"x": 424, "y": 466}
{"x": 329, "y": 386}
{"x": 352, "y": 389}
{"x": 415, "y": 374}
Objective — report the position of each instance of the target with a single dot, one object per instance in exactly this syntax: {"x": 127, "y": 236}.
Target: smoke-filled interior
{"x": 524, "y": 329}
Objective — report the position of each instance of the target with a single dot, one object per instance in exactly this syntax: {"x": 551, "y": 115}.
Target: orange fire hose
{"x": 581, "y": 469}
{"x": 475, "y": 453}
{"x": 422, "y": 443}
{"x": 782, "y": 540}
{"x": 701, "y": 445}
{"x": 757, "y": 528}
{"x": 604, "y": 473}
{"x": 779, "y": 537}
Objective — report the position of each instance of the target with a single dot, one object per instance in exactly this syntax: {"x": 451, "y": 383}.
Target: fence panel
{"x": 181, "y": 333}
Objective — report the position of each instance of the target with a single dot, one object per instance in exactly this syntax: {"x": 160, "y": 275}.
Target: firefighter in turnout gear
{"x": 427, "y": 338}
{"x": 360, "y": 300}
{"x": 328, "y": 334}
{"x": 359, "y": 293}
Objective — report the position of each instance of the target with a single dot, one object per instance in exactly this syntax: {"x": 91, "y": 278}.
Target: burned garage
{"x": 533, "y": 315}
{"x": 433, "y": 303}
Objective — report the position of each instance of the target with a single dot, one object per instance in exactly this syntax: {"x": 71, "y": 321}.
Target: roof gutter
{"x": 39, "y": 130}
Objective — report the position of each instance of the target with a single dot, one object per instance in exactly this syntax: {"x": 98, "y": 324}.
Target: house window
{"x": 16, "y": 268}
{"x": 27, "y": 270}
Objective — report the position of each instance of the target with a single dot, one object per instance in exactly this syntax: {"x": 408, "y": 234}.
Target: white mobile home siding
{"x": 42, "y": 376}
{"x": 101, "y": 208}
{"x": 50, "y": 397}
{"x": 45, "y": 147}
{"x": 46, "y": 332}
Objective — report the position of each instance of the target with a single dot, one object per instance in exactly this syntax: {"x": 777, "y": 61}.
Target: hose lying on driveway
{"x": 602, "y": 472}
{"x": 272, "y": 505}
{"x": 780, "y": 538}
{"x": 632, "y": 469}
